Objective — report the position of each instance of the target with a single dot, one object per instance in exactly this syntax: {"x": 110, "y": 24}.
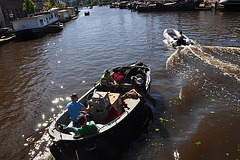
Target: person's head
{"x": 74, "y": 97}
{"x": 139, "y": 81}
{"x": 180, "y": 32}
{"x": 82, "y": 119}
{"x": 107, "y": 72}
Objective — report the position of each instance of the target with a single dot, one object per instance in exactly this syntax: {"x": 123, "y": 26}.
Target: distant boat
{"x": 203, "y": 7}
{"x": 6, "y": 35}
{"x": 123, "y": 4}
{"x": 230, "y": 5}
{"x": 172, "y": 36}
{"x": 232, "y": 2}
{"x": 35, "y": 25}
{"x": 87, "y": 13}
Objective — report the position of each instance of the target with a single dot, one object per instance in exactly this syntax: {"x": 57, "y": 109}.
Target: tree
{"x": 29, "y": 7}
{"x": 46, "y": 6}
{"x": 60, "y": 5}
{"x": 67, "y": 4}
{"x": 53, "y": 3}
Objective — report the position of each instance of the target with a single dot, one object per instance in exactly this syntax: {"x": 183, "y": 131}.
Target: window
{"x": 41, "y": 22}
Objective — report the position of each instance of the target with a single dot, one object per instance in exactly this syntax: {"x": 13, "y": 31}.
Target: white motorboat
{"x": 174, "y": 38}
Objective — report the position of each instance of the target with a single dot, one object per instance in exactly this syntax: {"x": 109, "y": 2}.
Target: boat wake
{"x": 226, "y": 59}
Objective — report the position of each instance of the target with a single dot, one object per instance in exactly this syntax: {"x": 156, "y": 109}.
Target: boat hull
{"x": 120, "y": 135}
{"x": 30, "y": 34}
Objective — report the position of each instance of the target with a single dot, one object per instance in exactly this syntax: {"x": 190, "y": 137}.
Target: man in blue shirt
{"x": 75, "y": 108}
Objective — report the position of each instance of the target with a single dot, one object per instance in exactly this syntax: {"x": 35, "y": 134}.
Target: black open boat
{"x": 132, "y": 117}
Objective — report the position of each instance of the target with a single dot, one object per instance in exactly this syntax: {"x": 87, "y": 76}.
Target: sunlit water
{"x": 197, "y": 88}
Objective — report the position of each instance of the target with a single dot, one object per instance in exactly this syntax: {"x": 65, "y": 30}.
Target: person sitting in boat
{"x": 107, "y": 83}
{"x": 181, "y": 40}
{"x": 84, "y": 129}
{"x": 75, "y": 109}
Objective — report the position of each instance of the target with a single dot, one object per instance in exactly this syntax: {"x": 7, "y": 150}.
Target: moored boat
{"x": 203, "y": 8}
{"x": 172, "y": 36}
{"x": 34, "y": 25}
{"x": 230, "y": 5}
{"x": 6, "y": 39}
{"x": 54, "y": 28}
{"x": 131, "y": 116}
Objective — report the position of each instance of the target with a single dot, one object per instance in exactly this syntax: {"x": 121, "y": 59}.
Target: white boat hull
{"x": 172, "y": 37}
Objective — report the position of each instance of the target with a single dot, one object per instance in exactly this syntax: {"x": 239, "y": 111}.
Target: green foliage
{"x": 60, "y": 5}
{"x": 87, "y": 2}
{"x": 53, "y": 3}
{"x": 46, "y": 6}
{"x": 67, "y": 4}
{"x": 29, "y": 6}
{"x": 198, "y": 143}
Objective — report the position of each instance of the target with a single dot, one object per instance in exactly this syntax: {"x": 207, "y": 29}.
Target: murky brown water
{"x": 38, "y": 76}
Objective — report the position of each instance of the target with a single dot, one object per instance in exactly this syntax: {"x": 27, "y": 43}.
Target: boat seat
{"x": 126, "y": 86}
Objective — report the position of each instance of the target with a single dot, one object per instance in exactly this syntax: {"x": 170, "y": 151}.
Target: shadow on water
{"x": 159, "y": 111}
{"x": 154, "y": 141}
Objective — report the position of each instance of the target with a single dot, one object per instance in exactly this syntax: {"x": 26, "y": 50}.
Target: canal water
{"x": 197, "y": 88}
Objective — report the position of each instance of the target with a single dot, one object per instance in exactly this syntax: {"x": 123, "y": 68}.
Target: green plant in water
{"x": 162, "y": 120}
{"x": 197, "y": 143}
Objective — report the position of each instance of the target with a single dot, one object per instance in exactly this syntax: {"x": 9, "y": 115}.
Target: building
{"x": 13, "y": 9}
{"x": 10, "y": 10}
{"x": 2, "y": 20}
